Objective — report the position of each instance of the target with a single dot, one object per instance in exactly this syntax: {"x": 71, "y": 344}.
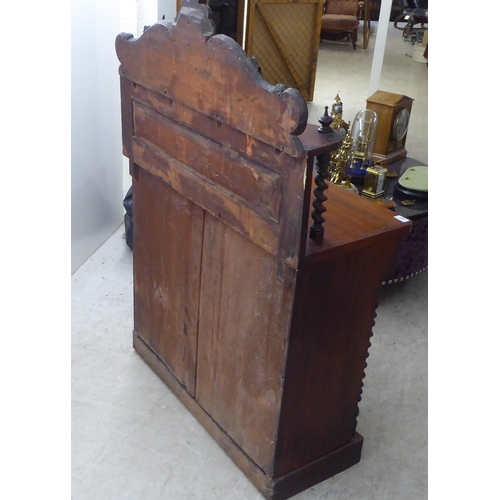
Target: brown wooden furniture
{"x": 367, "y": 21}
{"x": 261, "y": 331}
{"x": 341, "y": 19}
{"x": 393, "y": 114}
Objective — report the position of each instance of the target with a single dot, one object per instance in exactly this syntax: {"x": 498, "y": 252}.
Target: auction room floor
{"x": 131, "y": 437}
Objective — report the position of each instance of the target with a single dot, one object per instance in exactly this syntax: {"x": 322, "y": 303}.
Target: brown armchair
{"x": 341, "y": 19}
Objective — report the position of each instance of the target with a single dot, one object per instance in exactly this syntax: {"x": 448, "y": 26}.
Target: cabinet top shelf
{"x": 315, "y": 143}
{"x": 353, "y": 222}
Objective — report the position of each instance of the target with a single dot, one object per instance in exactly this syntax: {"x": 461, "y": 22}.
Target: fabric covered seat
{"x": 341, "y": 19}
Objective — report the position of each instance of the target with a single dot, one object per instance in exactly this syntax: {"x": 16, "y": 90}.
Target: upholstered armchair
{"x": 341, "y": 20}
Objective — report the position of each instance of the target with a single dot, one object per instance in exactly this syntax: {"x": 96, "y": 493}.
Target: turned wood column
{"x": 317, "y": 231}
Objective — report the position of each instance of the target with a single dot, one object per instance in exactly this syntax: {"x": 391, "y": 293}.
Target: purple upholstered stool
{"x": 412, "y": 257}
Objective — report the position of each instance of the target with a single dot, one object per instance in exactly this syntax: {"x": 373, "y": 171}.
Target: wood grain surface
{"x": 261, "y": 332}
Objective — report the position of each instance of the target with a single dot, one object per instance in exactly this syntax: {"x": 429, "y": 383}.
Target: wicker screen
{"x": 284, "y": 37}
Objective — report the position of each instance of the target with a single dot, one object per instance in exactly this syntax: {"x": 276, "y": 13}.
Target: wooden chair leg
{"x": 354, "y": 39}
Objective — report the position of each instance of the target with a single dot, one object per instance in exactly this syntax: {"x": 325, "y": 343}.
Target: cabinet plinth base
{"x": 279, "y": 488}
{"x": 315, "y": 472}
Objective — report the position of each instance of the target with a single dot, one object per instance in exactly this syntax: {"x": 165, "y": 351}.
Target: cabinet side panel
{"x": 243, "y": 310}
{"x": 332, "y": 323}
{"x": 168, "y": 232}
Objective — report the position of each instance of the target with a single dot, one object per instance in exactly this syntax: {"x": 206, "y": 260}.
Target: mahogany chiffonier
{"x": 255, "y": 285}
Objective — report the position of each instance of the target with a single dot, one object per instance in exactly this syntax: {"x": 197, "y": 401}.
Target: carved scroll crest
{"x": 173, "y": 59}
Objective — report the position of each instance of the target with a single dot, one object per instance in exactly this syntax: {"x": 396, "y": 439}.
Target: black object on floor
{"x": 129, "y": 229}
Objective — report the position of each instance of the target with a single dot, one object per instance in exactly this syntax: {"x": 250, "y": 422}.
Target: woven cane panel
{"x": 285, "y": 44}
{"x": 272, "y": 64}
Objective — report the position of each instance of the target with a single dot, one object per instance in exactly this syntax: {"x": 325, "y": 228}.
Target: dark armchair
{"x": 341, "y": 20}
{"x": 414, "y": 12}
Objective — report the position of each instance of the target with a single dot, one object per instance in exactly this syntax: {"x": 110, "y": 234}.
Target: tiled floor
{"x": 132, "y": 439}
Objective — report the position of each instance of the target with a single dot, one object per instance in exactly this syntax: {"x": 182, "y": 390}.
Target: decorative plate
{"x": 414, "y": 179}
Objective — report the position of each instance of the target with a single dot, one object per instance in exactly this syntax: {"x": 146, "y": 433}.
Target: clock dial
{"x": 400, "y": 124}
{"x": 337, "y": 108}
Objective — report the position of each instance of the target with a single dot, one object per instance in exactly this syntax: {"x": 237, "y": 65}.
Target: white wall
{"x": 96, "y": 159}
{"x": 134, "y": 15}
{"x": 150, "y": 12}
{"x": 168, "y": 8}
{"x": 99, "y": 174}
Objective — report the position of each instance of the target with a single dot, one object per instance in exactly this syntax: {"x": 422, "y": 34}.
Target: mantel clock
{"x": 393, "y": 112}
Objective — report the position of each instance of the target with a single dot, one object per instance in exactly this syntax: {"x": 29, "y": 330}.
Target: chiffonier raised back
{"x": 261, "y": 331}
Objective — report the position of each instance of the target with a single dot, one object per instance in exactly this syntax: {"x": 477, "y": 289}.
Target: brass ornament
{"x": 341, "y": 157}
{"x": 337, "y": 111}
{"x": 339, "y": 161}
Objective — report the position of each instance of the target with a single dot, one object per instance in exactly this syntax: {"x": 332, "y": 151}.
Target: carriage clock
{"x": 393, "y": 112}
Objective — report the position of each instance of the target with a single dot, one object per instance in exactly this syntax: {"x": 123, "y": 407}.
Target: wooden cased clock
{"x": 393, "y": 112}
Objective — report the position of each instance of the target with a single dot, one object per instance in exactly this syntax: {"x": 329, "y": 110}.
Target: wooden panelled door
{"x": 284, "y": 37}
